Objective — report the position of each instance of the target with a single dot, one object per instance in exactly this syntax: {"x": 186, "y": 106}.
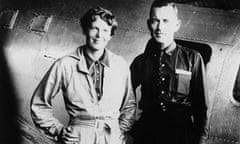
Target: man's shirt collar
{"x": 154, "y": 48}
{"x": 168, "y": 50}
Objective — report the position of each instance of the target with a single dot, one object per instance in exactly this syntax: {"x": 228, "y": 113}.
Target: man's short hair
{"x": 163, "y": 3}
{"x": 104, "y": 14}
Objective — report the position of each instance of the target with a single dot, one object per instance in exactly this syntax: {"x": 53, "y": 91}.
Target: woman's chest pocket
{"x": 79, "y": 88}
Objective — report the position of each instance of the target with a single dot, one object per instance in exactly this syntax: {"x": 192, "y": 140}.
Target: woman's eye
{"x": 165, "y": 21}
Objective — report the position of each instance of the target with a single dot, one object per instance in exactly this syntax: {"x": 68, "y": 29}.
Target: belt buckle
{"x": 99, "y": 117}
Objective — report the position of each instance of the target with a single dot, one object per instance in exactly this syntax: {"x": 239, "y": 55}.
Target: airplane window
{"x": 7, "y": 18}
{"x": 204, "y": 49}
{"x": 40, "y": 24}
{"x": 236, "y": 88}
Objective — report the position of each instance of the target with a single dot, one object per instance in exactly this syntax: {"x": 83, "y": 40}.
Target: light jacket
{"x": 69, "y": 74}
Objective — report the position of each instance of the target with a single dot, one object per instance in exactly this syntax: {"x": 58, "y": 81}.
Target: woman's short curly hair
{"x": 104, "y": 14}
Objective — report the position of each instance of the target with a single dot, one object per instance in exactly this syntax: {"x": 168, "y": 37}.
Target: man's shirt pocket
{"x": 183, "y": 81}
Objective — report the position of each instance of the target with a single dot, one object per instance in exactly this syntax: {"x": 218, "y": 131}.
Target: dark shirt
{"x": 164, "y": 73}
{"x": 96, "y": 71}
{"x": 172, "y": 79}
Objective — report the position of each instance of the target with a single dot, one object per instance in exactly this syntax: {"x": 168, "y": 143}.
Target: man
{"x": 96, "y": 87}
{"x": 171, "y": 76}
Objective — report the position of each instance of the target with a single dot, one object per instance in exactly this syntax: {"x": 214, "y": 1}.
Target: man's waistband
{"x": 168, "y": 107}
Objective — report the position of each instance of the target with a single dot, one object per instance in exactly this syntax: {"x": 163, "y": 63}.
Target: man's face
{"x": 163, "y": 23}
{"x": 98, "y": 35}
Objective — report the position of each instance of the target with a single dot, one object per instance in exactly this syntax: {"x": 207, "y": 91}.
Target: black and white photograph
{"x": 120, "y": 72}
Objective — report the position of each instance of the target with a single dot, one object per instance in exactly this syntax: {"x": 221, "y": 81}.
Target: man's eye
{"x": 93, "y": 28}
{"x": 154, "y": 21}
